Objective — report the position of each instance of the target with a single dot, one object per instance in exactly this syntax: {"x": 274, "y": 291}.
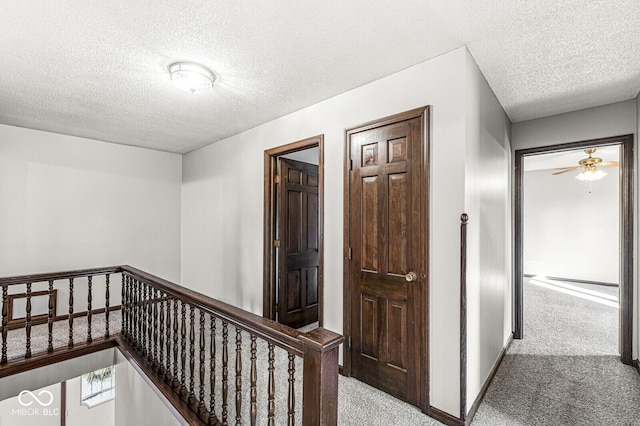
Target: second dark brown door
{"x": 387, "y": 223}
{"x": 298, "y": 235}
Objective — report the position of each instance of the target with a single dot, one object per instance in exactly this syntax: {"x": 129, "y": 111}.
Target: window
{"x": 98, "y": 386}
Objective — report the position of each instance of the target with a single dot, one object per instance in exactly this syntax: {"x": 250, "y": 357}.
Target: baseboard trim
{"x": 636, "y": 364}
{"x": 572, "y": 280}
{"x": 446, "y": 418}
{"x": 487, "y": 382}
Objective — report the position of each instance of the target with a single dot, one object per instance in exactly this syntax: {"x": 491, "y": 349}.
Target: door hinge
{"x": 349, "y": 253}
{"x": 350, "y": 164}
{"x": 349, "y": 343}
{"x": 276, "y": 179}
{"x": 276, "y": 243}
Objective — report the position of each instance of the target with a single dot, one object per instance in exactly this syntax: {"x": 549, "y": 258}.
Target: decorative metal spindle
{"x": 141, "y": 319}
{"x": 160, "y": 365}
{"x": 70, "y": 312}
{"x": 192, "y": 360}
{"x": 5, "y": 320}
{"x": 271, "y": 405}
{"x": 167, "y": 366}
{"x": 154, "y": 359}
{"x": 150, "y": 325}
{"x": 201, "y": 407}
{"x": 129, "y": 295}
{"x": 176, "y": 383}
{"x": 145, "y": 329}
{"x": 106, "y": 306}
{"x": 89, "y": 300}
{"x": 254, "y": 378}
{"x": 135, "y": 311}
{"x": 50, "y": 318}
{"x": 212, "y": 370}
{"x": 124, "y": 306}
{"x": 238, "y": 375}
{"x": 27, "y": 352}
{"x": 183, "y": 350}
{"x": 225, "y": 370}
{"x": 292, "y": 395}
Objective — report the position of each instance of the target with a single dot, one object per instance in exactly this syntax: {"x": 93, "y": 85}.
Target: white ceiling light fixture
{"x": 591, "y": 174}
{"x": 191, "y": 76}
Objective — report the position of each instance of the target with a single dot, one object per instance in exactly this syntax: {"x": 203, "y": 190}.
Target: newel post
{"x": 320, "y": 377}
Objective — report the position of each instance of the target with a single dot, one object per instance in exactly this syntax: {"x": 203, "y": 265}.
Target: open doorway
{"x": 293, "y": 237}
{"x": 575, "y": 239}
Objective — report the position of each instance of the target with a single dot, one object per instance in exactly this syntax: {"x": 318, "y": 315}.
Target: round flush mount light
{"x": 191, "y": 76}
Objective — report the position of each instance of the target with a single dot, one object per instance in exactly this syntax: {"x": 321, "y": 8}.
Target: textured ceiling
{"x": 98, "y": 69}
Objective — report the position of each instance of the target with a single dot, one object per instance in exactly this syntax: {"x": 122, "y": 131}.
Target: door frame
{"x": 269, "y": 255}
{"x": 626, "y": 233}
{"x": 424, "y": 114}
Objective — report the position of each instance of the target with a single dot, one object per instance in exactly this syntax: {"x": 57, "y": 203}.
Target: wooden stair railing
{"x": 192, "y": 347}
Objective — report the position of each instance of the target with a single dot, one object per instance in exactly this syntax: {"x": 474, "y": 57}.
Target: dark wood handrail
{"x": 145, "y": 301}
{"x": 271, "y": 331}
{"x": 36, "y": 278}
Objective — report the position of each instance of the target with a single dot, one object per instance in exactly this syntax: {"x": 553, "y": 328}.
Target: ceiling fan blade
{"x": 567, "y": 171}
{"x": 564, "y": 168}
{"x": 609, "y": 164}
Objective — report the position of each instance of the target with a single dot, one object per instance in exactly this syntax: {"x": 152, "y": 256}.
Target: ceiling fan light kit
{"x": 589, "y": 165}
{"x": 591, "y": 175}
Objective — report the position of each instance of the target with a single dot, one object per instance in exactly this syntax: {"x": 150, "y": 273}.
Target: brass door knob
{"x": 411, "y": 276}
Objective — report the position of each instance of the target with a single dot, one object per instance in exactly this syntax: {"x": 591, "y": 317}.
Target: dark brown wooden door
{"x": 388, "y": 242}
{"x": 298, "y": 236}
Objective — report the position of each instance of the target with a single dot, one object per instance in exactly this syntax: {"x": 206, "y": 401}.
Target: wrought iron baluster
{"x": 89, "y": 300}
{"x": 176, "y": 383}
{"x": 5, "y": 320}
{"x": 271, "y": 405}
{"x": 149, "y": 312}
{"x": 106, "y": 306}
{"x": 27, "y": 352}
{"x": 155, "y": 362}
{"x": 70, "y": 312}
{"x": 145, "y": 330}
{"x": 161, "y": 364}
{"x": 124, "y": 305}
{"x": 225, "y": 370}
{"x": 183, "y": 350}
{"x": 212, "y": 370}
{"x": 50, "y": 318}
{"x": 134, "y": 312}
{"x": 292, "y": 395}
{"x": 192, "y": 350}
{"x": 238, "y": 375}
{"x": 167, "y": 371}
{"x": 254, "y": 378}
{"x": 201, "y": 406}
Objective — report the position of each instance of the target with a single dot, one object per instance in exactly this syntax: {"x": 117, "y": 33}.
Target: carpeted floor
{"x": 566, "y": 370}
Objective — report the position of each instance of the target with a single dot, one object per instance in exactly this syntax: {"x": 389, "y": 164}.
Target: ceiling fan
{"x": 590, "y": 166}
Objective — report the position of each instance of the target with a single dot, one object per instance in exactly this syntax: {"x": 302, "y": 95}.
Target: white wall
{"x": 608, "y": 120}
{"x": 39, "y": 416}
{"x": 81, "y": 415}
{"x": 569, "y": 232}
{"x": 72, "y": 203}
{"x": 222, "y": 202}
{"x": 136, "y": 402}
{"x": 487, "y": 192}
